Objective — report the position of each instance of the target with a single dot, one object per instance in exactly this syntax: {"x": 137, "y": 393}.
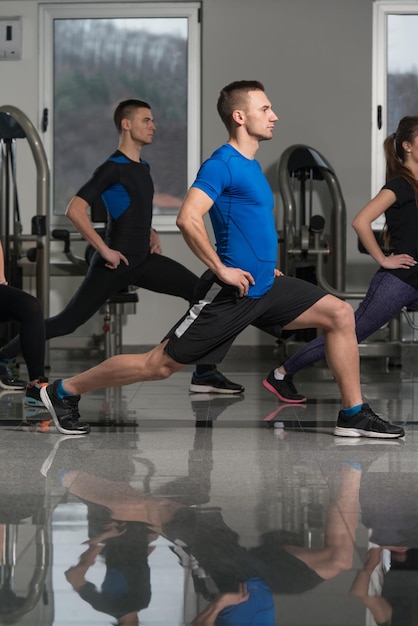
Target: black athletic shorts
{"x": 208, "y": 329}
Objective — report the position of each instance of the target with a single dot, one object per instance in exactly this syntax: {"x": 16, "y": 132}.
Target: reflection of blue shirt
{"x": 258, "y": 610}
{"x": 241, "y": 215}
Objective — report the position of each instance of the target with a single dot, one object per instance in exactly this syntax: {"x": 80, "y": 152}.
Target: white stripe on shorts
{"x": 193, "y": 313}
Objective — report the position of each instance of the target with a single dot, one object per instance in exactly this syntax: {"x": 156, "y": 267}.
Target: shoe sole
{"x": 50, "y": 407}
{"x": 35, "y": 403}
{"x": 33, "y": 411}
{"x": 209, "y": 389}
{"x": 282, "y": 398}
{"x": 362, "y": 441}
{"x": 340, "y": 431}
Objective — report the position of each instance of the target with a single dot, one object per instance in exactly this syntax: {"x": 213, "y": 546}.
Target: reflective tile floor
{"x": 186, "y": 509}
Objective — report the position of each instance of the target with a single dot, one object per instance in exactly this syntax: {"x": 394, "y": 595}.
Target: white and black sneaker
{"x": 64, "y": 411}
{"x": 366, "y": 423}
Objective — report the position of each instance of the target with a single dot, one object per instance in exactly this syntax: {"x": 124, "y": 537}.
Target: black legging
{"x": 156, "y": 273}
{"x": 19, "y": 306}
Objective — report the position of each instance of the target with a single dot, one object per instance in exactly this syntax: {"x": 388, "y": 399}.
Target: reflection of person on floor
{"x": 387, "y": 584}
{"x": 239, "y": 608}
{"x": 280, "y": 564}
{"x": 362, "y": 587}
{"x": 126, "y": 586}
{"x": 127, "y": 521}
{"x": 288, "y": 566}
{"x": 209, "y": 615}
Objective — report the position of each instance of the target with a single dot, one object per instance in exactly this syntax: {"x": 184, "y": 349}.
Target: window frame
{"x": 381, "y": 9}
{"x": 190, "y": 10}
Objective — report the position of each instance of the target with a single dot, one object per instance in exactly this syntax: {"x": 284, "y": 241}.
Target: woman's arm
{"x": 362, "y": 224}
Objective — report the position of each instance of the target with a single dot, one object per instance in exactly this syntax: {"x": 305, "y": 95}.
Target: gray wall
{"x": 315, "y": 59}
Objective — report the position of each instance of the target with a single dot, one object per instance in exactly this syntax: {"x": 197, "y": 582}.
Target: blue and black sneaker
{"x": 64, "y": 411}
{"x": 9, "y": 376}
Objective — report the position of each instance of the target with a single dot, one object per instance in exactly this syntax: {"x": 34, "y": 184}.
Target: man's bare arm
{"x": 190, "y": 221}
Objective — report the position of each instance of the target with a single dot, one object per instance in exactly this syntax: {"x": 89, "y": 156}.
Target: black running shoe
{"x": 213, "y": 382}
{"x": 366, "y": 423}
{"x": 283, "y": 389}
{"x": 10, "y": 367}
{"x": 64, "y": 411}
{"x": 9, "y": 376}
{"x": 33, "y": 393}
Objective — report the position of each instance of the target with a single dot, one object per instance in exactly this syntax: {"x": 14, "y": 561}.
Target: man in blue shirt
{"x": 242, "y": 285}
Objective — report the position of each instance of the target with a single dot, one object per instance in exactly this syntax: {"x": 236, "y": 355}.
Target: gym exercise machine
{"x": 14, "y": 124}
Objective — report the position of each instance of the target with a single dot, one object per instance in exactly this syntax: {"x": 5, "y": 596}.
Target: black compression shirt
{"x": 126, "y": 189}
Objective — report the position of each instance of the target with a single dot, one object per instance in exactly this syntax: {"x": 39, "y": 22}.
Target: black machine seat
{"x": 305, "y": 159}
{"x": 123, "y": 297}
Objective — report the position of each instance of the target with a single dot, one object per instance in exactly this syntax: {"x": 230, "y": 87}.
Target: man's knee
{"x": 341, "y": 314}
{"x": 167, "y": 369}
{"x": 161, "y": 365}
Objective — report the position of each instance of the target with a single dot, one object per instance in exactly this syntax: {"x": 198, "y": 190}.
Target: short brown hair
{"x": 126, "y": 109}
{"x": 231, "y": 98}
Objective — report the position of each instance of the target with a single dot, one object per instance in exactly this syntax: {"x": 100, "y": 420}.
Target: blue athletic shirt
{"x": 241, "y": 215}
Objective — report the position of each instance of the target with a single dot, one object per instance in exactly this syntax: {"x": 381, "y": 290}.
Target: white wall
{"x": 314, "y": 57}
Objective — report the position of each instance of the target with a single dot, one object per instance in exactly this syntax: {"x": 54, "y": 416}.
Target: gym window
{"x": 94, "y": 56}
{"x": 395, "y": 74}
